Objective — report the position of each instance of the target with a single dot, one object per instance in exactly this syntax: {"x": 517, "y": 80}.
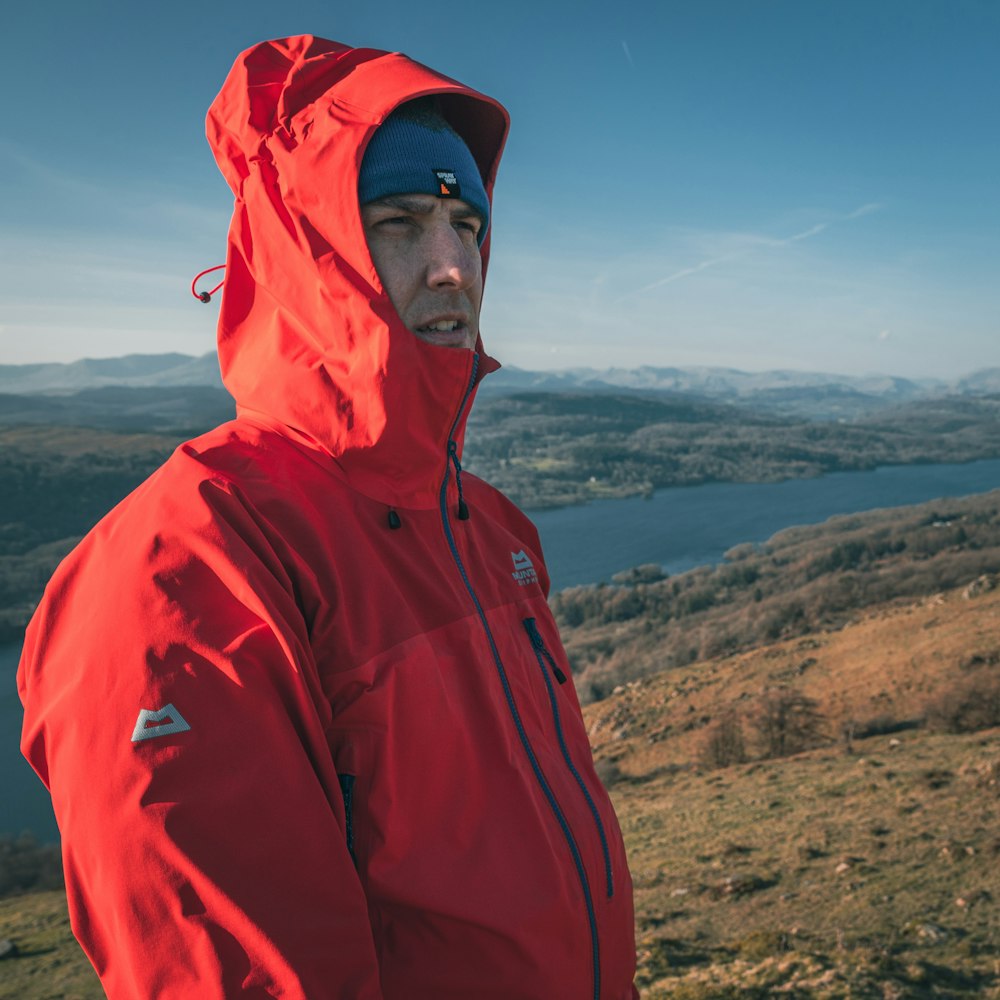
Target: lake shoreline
{"x": 683, "y": 527}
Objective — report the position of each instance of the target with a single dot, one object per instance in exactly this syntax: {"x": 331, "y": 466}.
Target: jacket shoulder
{"x": 500, "y": 507}
{"x": 238, "y": 459}
{"x": 225, "y": 497}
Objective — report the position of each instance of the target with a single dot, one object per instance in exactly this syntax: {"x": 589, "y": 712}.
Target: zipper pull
{"x": 463, "y": 507}
{"x": 533, "y": 633}
{"x": 539, "y": 643}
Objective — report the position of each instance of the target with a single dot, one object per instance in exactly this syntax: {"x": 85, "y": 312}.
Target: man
{"x": 299, "y": 700}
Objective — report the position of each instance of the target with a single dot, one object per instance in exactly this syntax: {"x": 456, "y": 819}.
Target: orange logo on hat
{"x": 448, "y": 186}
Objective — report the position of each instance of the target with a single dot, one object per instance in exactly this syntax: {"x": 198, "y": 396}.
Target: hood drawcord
{"x": 463, "y": 507}
{"x": 395, "y": 521}
{"x": 207, "y": 296}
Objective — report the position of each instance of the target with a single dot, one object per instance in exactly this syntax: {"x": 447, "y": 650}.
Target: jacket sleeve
{"x": 173, "y": 708}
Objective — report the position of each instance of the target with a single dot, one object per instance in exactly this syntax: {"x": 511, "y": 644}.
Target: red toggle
{"x": 207, "y": 296}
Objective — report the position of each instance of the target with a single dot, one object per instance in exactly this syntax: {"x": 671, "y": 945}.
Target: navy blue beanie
{"x": 415, "y": 151}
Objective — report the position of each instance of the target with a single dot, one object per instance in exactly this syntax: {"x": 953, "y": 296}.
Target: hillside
{"x": 66, "y": 460}
{"x": 183, "y": 411}
{"x": 800, "y": 581}
{"x": 864, "y": 867}
{"x": 554, "y": 449}
{"x": 860, "y": 867}
{"x": 56, "y": 483}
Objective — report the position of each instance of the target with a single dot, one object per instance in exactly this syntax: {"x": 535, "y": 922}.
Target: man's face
{"x": 426, "y": 253}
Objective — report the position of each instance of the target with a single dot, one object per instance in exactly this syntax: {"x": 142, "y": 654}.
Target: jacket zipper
{"x": 509, "y": 696}
{"x": 542, "y": 655}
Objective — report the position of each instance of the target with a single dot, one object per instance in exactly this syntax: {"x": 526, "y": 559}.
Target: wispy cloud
{"x": 866, "y": 209}
{"x": 100, "y": 205}
{"x": 628, "y": 54}
{"x": 753, "y": 244}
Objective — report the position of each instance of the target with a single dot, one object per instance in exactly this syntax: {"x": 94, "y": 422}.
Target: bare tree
{"x": 724, "y": 743}
{"x": 787, "y": 722}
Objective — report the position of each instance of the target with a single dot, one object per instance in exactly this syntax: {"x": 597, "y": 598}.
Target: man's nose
{"x": 451, "y": 262}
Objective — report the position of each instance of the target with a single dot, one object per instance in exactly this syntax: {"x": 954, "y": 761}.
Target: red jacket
{"x": 307, "y": 729}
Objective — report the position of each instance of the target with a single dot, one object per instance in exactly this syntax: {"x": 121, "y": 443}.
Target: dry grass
{"x": 882, "y": 670}
{"x": 50, "y": 964}
{"x": 863, "y": 866}
{"x": 869, "y": 870}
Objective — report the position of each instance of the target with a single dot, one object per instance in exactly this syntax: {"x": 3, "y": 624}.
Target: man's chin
{"x": 460, "y": 337}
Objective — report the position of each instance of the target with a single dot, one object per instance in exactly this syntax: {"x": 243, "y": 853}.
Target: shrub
{"x": 970, "y": 704}
{"x": 787, "y": 722}
{"x": 646, "y": 573}
{"x": 877, "y": 725}
{"x": 723, "y": 744}
{"x": 26, "y": 865}
{"x": 758, "y": 945}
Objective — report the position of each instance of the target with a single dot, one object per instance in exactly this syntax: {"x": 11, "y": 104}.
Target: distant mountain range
{"x": 132, "y": 370}
{"x": 810, "y": 394}
{"x": 816, "y": 395}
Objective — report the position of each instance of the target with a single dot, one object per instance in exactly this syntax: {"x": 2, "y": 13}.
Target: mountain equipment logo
{"x": 448, "y": 186}
{"x": 524, "y": 572}
{"x": 151, "y": 724}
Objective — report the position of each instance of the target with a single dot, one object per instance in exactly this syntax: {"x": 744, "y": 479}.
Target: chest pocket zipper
{"x": 547, "y": 663}
{"x": 347, "y": 790}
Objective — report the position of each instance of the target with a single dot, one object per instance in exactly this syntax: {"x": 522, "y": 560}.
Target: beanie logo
{"x": 448, "y": 186}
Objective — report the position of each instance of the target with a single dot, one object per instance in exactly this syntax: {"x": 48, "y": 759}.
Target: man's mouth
{"x": 444, "y": 326}
{"x": 454, "y": 330}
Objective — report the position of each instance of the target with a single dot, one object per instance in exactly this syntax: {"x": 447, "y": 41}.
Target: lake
{"x": 677, "y": 528}
{"x": 24, "y": 804}
{"x": 692, "y": 526}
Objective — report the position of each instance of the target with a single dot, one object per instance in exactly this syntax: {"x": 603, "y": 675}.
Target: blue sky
{"x": 809, "y": 185}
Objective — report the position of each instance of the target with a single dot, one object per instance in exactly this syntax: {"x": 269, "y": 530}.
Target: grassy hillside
{"x": 866, "y": 866}
{"x": 50, "y": 964}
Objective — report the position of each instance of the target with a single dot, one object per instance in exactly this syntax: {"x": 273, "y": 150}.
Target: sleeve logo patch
{"x": 448, "y": 186}
{"x": 158, "y": 722}
{"x": 524, "y": 571}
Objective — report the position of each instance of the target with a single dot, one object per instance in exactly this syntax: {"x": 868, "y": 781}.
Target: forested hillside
{"x": 55, "y": 483}
{"x": 66, "y": 460}
{"x": 549, "y": 450}
{"x": 800, "y": 581}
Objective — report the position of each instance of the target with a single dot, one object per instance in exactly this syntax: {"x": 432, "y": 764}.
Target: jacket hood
{"x": 308, "y": 340}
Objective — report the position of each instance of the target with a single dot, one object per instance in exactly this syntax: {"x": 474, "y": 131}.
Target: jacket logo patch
{"x": 448, "y": 186}
{"x": 524, "y": 572}
{"x": 161, "y": 722}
